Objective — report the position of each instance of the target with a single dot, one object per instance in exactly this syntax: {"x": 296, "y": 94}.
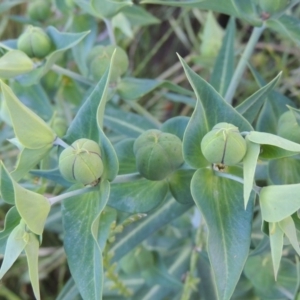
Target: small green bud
{"x": 273, "y": 6}
{"x": 39, "y": 10}
{"x": 288, "y": 127}
{"x": 224, "y": 145}
{"x": 35, "y": 42}
{"x": 81, "y": 162}
{"x": 158, "y": 154}
{"x": 99, "y": 58}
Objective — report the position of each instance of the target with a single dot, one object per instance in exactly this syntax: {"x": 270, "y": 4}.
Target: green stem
{"x": 142, "y": 111}
{"x": 61, "y": 197}
{"x": 239, "y": 71}
{"x": 110, "y": 31}
{"x": 127, "y": 177}
{"x": 72, "y": 75}
{"x": 60, "y": 142}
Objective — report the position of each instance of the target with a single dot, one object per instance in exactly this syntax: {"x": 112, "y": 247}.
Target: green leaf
{"x": 224, "y": 65}
{"x": 6, "y": 185}
{"x": 221, "y": 202}
{"x": 179, "y": 183}
{"x": 289, "y": 170}
{"x": 247, "y": 10}
{"x": 287, "y": 26}
{"x": 32, "y": 207}
{"x": 32, "y": 254}
{"x": 252, "y": 105}
{"x": 133, "y": 196}
{"x": 263, "y": 281}
{"x": 211, "y": 109}
{"x": 249, "y": 166}
{"x": 135, "y": 88}
{"x": 273, "y": 146}
{"x": 12, "y": 219}
{"x": 139, "y": 231}
{"x": 62, "y": 41}
{"x": 7, "y": 5}
{"x": 126, "y": 157}
{"x": 109, "y": 8}
{"x": 27, "y": 160}
{"x": 16, "y": 243}
{"x": 30, "y": 129}
{"x": 287, "y": 225}
{"x": 138, "y": 16}
{"x": 276, "y": 243}
{"x": 13, "y": 63}
{"x": 279, "y": 202}
{"x": 80, "y": 220}
{"x": 176, "y": 125}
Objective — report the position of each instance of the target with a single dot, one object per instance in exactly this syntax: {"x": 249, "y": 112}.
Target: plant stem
{"x": 72, "y": 75}
{"x": 61, "y": 197}
{"x": 60, "y": 142}
{"x": 110, "y": 31}
{"x": 239, "y": 71}
{"x": 127, "y": 177}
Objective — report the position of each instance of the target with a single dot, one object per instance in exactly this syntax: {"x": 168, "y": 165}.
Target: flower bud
{"x": 35, "y": 42}
{"x": 288, "y": 127}
{"x": 158, "y": 154}
{"x": 99, "y": 58}
{"x": 273, "y": 6}
{"x": 39, "y": 10}
{"x": 224, "y": 145}
{"x": 81, "y": 162}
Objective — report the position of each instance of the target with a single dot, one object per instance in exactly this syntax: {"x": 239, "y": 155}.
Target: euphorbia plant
{"x": 150, "y": 209}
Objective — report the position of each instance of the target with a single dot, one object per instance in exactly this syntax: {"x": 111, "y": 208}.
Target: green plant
{"x": 118, "y": 186}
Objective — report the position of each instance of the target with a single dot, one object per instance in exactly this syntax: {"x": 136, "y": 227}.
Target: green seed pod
{"x": 158, "y": 154}
{"x": 99, "y": 58}
{"x": 35, "y": 42}
{"x": 81, "y": 162}
{"x": 39, "y": 10}
{"x": 273, "y": 6}
{"x": 288, "y": 127}
{"x": 223, "y": 145}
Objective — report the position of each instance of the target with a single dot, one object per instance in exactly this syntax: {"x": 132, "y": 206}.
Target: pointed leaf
{"x": 32, "y": 207}
{"x": 288, "y": 227}
{"x": 276, "y": 243}
{"x": 221, "y": 202}
{"x": 30, "y": 129}
{"x": 16, "y": 243}
{"x": 252, "y": 105}
{"x": 134, "y": 197}
{"x": 13, "y": 63}
{"x": 6, "y": 185}
{"x": 107, "y": 8}
{"x": 27, "y": 160}
{"x": 247, "y": 10}
{"x": 211, "y": 109}
{"x": 273, "y": 146}
{"x": 83, "y": 251}
{"x": 32, "y": 254}
{"x": 139, "y": 16}
{"x": 279, "y": 202}
{"x": 224, "y": 65}
{"x": 249, "y": 166}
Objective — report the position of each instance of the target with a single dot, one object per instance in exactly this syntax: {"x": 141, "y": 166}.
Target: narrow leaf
{"x": 224, "y": 65}
{"x": 279, "y": 202}
{"x": 249, "y": 166}
{"x": 252, "y": 105}
{"x": 107, "y": 8}
{"x": 32, "y": 254}
{"x": 6, "y": 185}
{"x": 229, "y": 225}
{"x": 276, "y": 243}
{"x": 30, "y": 129}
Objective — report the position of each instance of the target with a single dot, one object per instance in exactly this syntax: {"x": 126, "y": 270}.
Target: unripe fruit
{"x": 81, "y": 162}
{"x": 99, "y": 58}
{"x": 35, "y": 42}
{"x": 273, "y": 6}
{"x": 39, "y": 10}
{"x": 158, "y": 154}
{"x": 224, "y": 145}
{"x": 288, "y": 127}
